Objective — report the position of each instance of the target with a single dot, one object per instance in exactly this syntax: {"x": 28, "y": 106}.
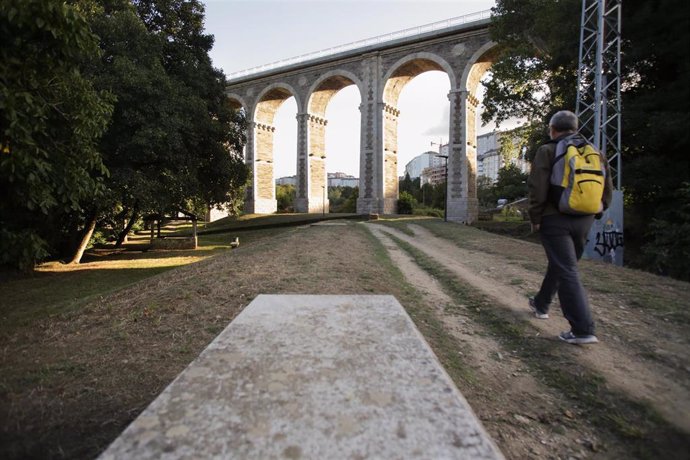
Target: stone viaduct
{"x": 463, "y": 51}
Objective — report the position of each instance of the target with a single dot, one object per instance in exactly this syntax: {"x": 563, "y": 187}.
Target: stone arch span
{"x": 261, "y": 195}
{"x": 312, "y": 176}
{"x": 397, "y": 77}
{"x": 463, "y": 51}
{"x": 237, "y": 102}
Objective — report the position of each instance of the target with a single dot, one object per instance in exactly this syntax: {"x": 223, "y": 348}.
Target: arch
{"x": 326, "y": 86}
{"x": 477, "y": 65}
{"x": 312, "y": 178}
{"x": 267, "y": 103}
{"x": 237, "y": 101}
{"x": 405, "y": 69}
{"x": 394, "y": 80}
{"x": 270, "y": 99}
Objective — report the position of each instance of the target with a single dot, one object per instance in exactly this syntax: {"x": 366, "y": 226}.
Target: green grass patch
{"x": 60, "y": 289}
{"x": 646, "y": 433}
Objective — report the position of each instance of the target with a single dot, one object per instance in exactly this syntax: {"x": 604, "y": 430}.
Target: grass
{"x": 56, "y": 288}
{"x": 648, "y": 435}
{"x": 106, "y": 337}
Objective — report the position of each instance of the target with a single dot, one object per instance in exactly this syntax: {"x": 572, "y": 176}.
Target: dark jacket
{"x": 540, "y": 204}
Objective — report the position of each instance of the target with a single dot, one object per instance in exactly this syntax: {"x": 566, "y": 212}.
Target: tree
{"x": 285, "y": 197}
{"x": 174, "y": 142}
{"x": 511, "y": 183}
{"x": 212, "y": 134}
{"x": 406, "y": 203}
{"x": 350, "y": 204}
{"x": 50, "y": 120}
{"x": 406, "y": 184}
{"x": 656, "y": 139}
{"x": 535, "y": 75}
{"x": 486, "y": 192}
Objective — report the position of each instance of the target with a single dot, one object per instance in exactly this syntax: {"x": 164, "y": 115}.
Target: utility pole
{"x": 599, "y": 110}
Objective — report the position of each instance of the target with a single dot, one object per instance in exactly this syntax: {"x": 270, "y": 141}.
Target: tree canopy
{"x": 51, "y": 118}
{"x": 536, "y": 74}
{"x": 124, "y": 114}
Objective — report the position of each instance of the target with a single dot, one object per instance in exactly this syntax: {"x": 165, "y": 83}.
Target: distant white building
{"x": 430, "y": 159}
{"x": 287, "y": 180}
{"x": 489, "y": 159}
{"x": 339, "y": 179}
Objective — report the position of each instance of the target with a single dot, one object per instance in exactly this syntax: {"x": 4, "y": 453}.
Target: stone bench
{"x": 174, "y": 243}
{"x": 317, "y": 377}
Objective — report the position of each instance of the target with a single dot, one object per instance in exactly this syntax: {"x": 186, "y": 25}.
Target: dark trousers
{"x": 563, "y": 237}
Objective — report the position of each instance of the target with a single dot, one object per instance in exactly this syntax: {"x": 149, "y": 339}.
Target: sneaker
{"x": 569, "y": 337}
{"x": 539, "y": 314}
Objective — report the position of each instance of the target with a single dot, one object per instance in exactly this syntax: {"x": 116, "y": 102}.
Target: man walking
{"x": 563, "y": 235}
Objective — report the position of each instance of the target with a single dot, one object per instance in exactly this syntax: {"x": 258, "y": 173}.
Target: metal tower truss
{"x": 599, "y": 79}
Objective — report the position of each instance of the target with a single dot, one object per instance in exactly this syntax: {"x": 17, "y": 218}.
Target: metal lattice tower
{"x": 599, "y": 79}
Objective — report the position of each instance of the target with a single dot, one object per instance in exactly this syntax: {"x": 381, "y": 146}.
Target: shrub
{"x": 667, "y": 251}
{"x": 406, "y": 203}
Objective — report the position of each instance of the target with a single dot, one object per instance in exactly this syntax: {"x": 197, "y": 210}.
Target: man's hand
{"x": 535, "y": 228}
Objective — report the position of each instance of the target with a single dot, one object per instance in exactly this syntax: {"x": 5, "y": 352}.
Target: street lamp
{"x": 323, "y": 204}
{"x": 445, "y": 178}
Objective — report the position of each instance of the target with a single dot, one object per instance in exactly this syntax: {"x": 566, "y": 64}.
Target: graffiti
{"x": 608, "y": 240}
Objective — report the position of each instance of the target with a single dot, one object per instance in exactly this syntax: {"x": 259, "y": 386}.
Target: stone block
{"x": 316, "y": 377}
{"x": 174, "y": 243}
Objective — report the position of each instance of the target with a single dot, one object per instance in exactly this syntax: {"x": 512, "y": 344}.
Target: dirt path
{"x": 497, "y": 277}
{"x": 509, "y": 401}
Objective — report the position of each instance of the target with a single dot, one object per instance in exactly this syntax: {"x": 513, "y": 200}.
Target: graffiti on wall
{"x": 605, "y": 241}
{"x": 608, "y": 240}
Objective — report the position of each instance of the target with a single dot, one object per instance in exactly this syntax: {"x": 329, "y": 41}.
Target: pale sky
{"x": 251, "y": 33}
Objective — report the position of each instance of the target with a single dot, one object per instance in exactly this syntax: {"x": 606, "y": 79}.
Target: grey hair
{"x": 564, "y": 121}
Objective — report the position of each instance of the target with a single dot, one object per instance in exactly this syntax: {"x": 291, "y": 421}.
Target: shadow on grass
{"x": 57, "y": 288}
{"x": 50, "y": 293}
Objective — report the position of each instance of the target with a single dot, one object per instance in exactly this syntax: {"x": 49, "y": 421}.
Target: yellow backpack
{"x": 578, "y": 175}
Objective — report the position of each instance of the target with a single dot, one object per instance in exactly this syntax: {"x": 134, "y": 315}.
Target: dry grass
{"x": 84, "y": 350}
{"x": 74, "y": 378}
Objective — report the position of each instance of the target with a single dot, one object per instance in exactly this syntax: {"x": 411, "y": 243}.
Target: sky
{"x": 250, "y": 33}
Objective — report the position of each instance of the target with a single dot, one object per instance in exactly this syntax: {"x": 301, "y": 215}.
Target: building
{"x": 489, "y": 158}
{"x": 287, "y": 180}
{"x": 434, "y": 175}
{"x": 425, "y": 160}
{"x": 339, "y": 179}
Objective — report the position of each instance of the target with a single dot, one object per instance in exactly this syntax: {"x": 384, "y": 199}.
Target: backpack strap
{"x": 562, "y": 145}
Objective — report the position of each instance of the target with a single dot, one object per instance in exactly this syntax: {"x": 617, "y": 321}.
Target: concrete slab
{"x": 317, "y": 377}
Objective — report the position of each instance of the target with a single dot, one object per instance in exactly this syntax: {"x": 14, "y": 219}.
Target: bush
{"x": 668, "y": 249}
{"x": 285, "y": 197}
{"x": 426, "y": 211}
{"x": 406, "y": 203}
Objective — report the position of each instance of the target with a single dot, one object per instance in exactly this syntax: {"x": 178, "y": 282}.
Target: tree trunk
{"x": 123, "y": 234}
{"x": 86, "y": 237}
